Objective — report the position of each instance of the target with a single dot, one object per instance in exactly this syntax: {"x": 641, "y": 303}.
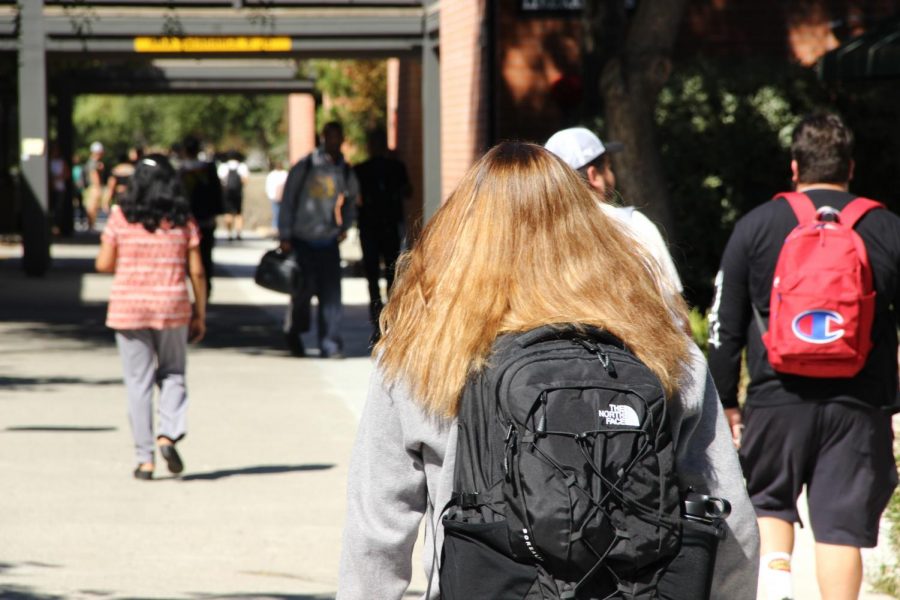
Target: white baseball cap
{"x": 578, "y": 146}
{"x": 96, "y": 147}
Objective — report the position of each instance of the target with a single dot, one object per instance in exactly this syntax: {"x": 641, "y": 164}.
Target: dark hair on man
{"x": 822, "y": 145}
{"x": 191, "y": 145}
{"x": 377, "y": 138}
{"x": 155, "y": 195}
{"x": 333, "y": 125}
{"x": 598, "y": 163}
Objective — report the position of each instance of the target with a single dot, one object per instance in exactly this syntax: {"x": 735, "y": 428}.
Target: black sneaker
{"x": 173, "y": 461}
{"x": 294, "y": 345}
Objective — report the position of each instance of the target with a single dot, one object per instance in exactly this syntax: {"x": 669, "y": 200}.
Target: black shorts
{"x": 233, "y": 203}
{"x": 843, "y": 453}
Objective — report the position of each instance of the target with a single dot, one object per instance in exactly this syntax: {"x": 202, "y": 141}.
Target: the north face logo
{"x": 818, "y": 326}
{"x": 619, "y": 414}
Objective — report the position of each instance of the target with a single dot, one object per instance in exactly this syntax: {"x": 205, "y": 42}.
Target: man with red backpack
{"x": 810, "y": 284}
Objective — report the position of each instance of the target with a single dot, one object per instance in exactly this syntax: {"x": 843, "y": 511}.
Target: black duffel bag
{"x": 278, "y": 271}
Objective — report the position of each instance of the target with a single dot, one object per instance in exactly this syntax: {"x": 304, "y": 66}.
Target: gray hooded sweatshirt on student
{"x": 402, "y": 467}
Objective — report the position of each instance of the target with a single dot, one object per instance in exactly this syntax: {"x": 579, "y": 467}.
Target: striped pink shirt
{"x": 149, "y": 290}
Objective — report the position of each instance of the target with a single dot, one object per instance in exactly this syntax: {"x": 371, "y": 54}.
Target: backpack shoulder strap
{"x": 857, "y": 208}
{"x": 803, "y": 207}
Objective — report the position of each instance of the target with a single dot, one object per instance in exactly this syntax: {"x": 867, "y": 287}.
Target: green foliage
{"x": 354, "y": 92}
{"x": 724, "y": 133}
{"x": 700, "y": 328}
{"x": 226, "y": 121}
{"x": 873, "y": 113}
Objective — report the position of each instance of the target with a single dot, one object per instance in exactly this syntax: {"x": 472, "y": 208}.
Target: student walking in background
{"x": 316, "y": 211}
{"x": 234, "y": 175}
{"x": 203, "y": 189}
{"x": 95, "y": 170}
{"x": 120, "y": 176}
{"x": 147, "y": 243}
{"x": 275, "y": 190}
{"x": 383, "y": 188}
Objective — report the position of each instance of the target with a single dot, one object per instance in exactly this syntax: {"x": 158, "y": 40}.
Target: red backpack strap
{"x": 803, "y": 207}
{"x": 858, "y": 207}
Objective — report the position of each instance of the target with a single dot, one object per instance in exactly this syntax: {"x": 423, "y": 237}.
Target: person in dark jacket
{"x": 832, "y": 435}
{"x": 384, "y": 186}
{"x": 204, "y": 191}
{"x": 316, "y": 211}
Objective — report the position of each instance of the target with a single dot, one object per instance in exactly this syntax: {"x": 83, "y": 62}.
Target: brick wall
{"x": 463, "y": 77}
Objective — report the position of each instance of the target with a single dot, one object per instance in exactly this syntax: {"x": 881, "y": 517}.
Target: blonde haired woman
{"x": 519, "y": 244}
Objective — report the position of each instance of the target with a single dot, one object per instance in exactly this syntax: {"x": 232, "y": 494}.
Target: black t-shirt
{"x": 383, "y": 185}
{"x": 203, "y": 188}
{"x": 745, "y": 276}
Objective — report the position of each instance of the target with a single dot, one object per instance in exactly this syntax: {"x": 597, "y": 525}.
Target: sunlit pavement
{"x": 259, "y": 510}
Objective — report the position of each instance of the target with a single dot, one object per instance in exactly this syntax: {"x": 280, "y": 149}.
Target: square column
{"x": 34, "y": 185}
{"x": 301, "y": 126}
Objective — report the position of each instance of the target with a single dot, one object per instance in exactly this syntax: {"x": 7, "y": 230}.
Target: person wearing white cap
{"x": 96, "y": 180}
{"x": 582, "y": 150}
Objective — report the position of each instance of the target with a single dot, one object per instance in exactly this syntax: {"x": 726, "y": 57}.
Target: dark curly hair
{"x": 822, "y": 145}
{"x": 155, "y": 195}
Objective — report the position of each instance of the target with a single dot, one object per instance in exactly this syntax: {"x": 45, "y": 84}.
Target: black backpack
{"x": 233, "y": 184}
{"x": 564, "y": 481}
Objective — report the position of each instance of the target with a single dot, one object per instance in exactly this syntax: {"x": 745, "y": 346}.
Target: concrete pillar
{"x": 432, "y": 147}
{"x": 34, "y": 188}
{"x": 301, "y": 126}
{"x": 393, "y": 91}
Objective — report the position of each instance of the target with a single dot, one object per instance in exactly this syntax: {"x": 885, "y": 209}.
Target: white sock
{"x": 775, "y": 575}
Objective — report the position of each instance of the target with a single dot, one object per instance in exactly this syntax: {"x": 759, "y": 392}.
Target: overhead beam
{"x": 300, "y": 48}
{"x": 210, "y": 22}
{"x": 230, "y": 3}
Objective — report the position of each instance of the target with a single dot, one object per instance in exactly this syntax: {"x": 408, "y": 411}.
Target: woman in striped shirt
{"x": 149, "y": 242}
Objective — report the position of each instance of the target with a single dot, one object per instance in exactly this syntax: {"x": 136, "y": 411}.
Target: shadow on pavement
{"x": 50, "y": 308}
{"x": 21, "y": 592}
{"x": 265, "y": 596}
{"x": 19, "y": 383}
{"x": 260, "y": 470}
{"x": 61, "y": 428}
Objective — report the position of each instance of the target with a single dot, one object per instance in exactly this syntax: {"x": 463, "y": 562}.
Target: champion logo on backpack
{"x": 619, "y": 414}
{"x": 818, "y": 326}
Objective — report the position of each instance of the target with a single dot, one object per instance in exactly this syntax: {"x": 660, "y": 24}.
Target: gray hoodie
{"x": 402, "y": 467}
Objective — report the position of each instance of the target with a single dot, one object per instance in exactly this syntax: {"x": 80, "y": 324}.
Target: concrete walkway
{"x": 259, "y": 510}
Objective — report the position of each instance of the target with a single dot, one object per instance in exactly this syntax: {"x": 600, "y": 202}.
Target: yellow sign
{"x": 212, "y": 44}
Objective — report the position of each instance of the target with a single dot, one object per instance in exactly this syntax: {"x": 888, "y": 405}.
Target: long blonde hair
{"x": 520, "y": 243}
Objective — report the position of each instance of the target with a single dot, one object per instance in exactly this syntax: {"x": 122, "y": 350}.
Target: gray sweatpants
{"x": 154, "y": 356}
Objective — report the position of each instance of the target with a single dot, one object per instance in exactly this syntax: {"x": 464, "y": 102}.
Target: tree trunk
{"x": 635, "y": 66}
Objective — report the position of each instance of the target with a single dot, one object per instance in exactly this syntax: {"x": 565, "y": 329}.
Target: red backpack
{"x": 823, "y": 301}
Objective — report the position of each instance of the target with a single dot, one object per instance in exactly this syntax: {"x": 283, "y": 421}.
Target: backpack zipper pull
{"x": 607, "y": 363}
{"x": 510, "y": 444}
